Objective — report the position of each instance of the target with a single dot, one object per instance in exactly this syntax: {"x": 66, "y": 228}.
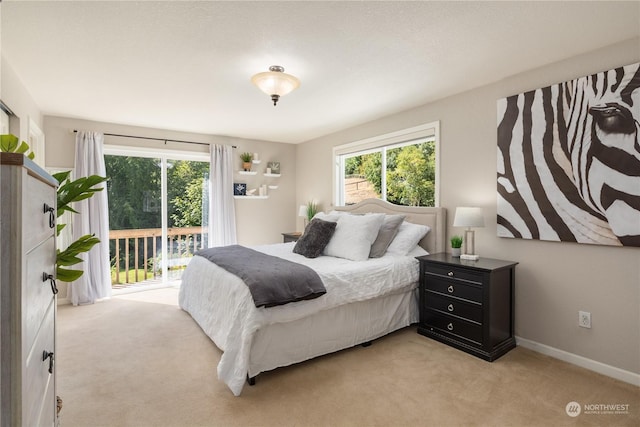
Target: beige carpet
{"x": 138, "y": 360}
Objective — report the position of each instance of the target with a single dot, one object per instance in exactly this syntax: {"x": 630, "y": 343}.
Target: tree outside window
{"x": 409, "y": 172}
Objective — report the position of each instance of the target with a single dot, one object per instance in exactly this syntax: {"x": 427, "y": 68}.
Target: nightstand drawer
{"x": 454, "y": 288}
{"x": 451, "y": 272}
{"x": 451, "y": 326}
{"x": 453, "y": 306}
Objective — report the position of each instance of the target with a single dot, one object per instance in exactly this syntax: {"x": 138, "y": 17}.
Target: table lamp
{"x": 302, "y": 212}
{"x": 469, "y": 217}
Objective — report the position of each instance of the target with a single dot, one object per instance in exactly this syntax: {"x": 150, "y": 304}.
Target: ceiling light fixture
{"x": 275, "y": 82}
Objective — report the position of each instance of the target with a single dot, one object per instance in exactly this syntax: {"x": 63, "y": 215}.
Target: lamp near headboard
{"x": 469, "y": 217}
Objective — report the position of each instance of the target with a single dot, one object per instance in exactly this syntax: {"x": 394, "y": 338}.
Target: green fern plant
{"x": 68, "y": 192}
{"x": 246, "y": 157}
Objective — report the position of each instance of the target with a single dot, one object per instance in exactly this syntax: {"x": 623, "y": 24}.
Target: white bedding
{"x": 227, "y": 314}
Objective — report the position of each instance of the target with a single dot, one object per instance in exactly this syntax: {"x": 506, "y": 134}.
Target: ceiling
{"x": 186, "y": 66}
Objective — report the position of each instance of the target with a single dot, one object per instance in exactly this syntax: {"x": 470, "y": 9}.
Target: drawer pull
{"x": 450, "y": 326}
{"x": 450, "y": 289}
{"x": 450, "y": 274}
{"x": 48, "y": 355}
{"x": 52, "y": 282}
{"x": 450, "y": 307}
{"x": 52, "y": 215}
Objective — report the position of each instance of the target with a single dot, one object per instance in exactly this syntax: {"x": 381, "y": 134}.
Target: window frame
{"x": 381, "y": 143}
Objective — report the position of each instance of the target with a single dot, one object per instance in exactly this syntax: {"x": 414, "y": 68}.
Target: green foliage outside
{"x": 410, "y": 173}
{"x": 135, "y": 199}
{"x": 135, "y": 193}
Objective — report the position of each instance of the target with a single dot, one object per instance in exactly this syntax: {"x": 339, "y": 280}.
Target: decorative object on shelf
{"x": 469, "y": 217}
{"x": 456, "y": 245}
{"x": 571, "y": 174}
{"x": 246, "y": 160}
{"x": 275, "y": 168}
{"x": 262, "y": 191}
{"x": 275, "y": 82}
{"x": 239, "y": 189}
{"x": 251, "y": 192}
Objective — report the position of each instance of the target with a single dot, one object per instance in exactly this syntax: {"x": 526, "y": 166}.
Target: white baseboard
{"x": 574, "y": 359}
{"x": 63, "y": 301}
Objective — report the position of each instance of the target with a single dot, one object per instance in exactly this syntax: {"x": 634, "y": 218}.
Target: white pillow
{"x": 408, "y": 236}
{"x": 332, "y": 216}
{"x": 417, "y": 251}
{"x": 353, "y": 236}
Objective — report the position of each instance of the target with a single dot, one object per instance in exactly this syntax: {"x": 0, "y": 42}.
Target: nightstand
{"x": 468, "y": 304}
{"x": 291, "y": 237}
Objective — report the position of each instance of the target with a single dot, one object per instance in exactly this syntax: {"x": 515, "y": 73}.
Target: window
{"x": 155, "y": 212}
{"x": 400, "y": 168}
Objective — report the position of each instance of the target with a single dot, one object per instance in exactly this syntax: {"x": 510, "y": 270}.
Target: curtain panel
{"x": 222, "y": 213}
{"x": 93, "y": 218}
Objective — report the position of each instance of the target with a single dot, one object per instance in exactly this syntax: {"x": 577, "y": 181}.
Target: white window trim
{"x": 120, "y": 150}
{"x": 372, "y": 144}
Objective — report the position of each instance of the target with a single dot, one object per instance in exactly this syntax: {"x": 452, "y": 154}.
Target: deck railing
{"x": 140, "y": 251}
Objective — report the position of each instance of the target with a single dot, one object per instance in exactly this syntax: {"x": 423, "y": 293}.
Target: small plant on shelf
{"x": 246, "y": 160}
{"x": 456, "y": 242}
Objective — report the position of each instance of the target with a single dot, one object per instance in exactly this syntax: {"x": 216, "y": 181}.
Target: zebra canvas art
{"x": 569, "y": 161}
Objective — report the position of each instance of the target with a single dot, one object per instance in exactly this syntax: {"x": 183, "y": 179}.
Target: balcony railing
{"x": 139, "y": 252}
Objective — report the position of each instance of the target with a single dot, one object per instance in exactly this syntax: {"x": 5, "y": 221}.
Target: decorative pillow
{"x": 354, "y": 236}
{"x": 387, "y": 232}
{"x": 408, "y": 236}
{"x": 315, "y": 237}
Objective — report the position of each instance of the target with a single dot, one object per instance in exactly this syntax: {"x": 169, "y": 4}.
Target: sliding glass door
{"x": 155, "y": 214}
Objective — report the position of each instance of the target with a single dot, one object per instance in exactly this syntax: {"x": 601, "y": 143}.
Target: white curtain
{"x": 93, "y": 218}
{"x": 222, "y": 212}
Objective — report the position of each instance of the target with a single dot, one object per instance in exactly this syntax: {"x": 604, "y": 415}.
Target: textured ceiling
{"x": 186, "y": 66}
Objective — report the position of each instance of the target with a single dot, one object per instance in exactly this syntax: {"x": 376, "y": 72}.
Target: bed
{"x": 355, "y": 309}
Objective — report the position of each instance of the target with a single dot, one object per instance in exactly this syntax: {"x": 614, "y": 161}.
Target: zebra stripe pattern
{"x": 569, "y": 161}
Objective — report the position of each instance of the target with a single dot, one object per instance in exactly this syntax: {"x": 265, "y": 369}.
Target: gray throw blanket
{"x": 271, "y": 280}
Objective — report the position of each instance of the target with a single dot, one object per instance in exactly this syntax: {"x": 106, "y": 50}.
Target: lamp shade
{"x": 275, "y": 82}
{"x": 302, "y": 211}
{"x": 468, "y": 217}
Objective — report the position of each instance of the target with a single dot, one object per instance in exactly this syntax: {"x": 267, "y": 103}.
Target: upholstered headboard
{"x": 436, "y": 218}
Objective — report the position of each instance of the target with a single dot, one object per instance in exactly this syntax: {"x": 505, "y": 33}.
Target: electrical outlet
{"x": 584, "y": 319}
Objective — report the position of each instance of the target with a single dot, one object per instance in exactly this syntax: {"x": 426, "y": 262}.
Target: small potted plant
{"x": 246, "y": 161}
{"x": 456, "y": 245}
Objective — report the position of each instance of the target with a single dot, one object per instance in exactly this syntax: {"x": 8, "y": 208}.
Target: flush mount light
{"x": 275, "y": 82}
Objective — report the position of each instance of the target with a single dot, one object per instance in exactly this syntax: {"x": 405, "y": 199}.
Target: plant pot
{"x": 455, "y": 252}
{"x": 246, "y": 166}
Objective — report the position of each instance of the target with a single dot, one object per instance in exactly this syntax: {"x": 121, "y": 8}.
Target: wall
{"x": 257, "y": 221}
{"x": 554, "y": 280}
{"x": 17, "y": 97}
